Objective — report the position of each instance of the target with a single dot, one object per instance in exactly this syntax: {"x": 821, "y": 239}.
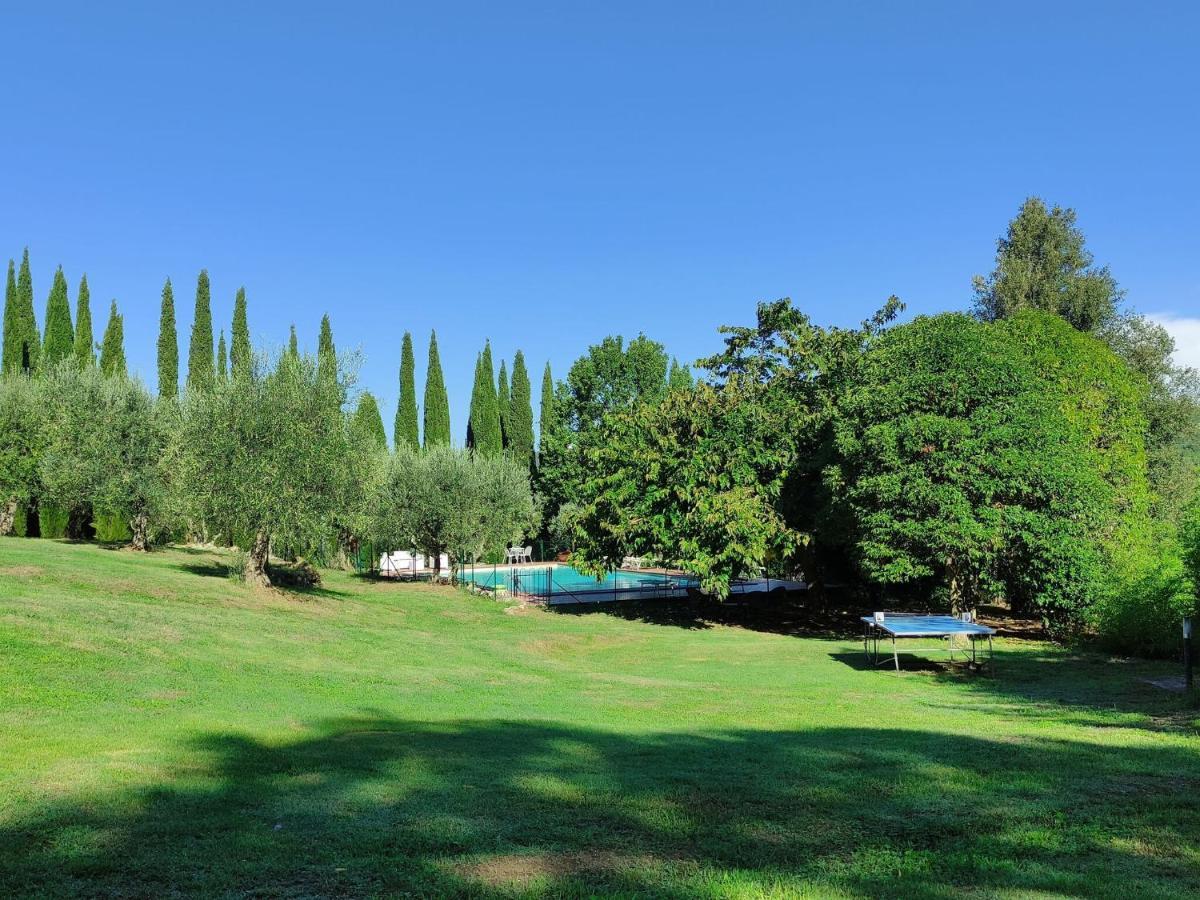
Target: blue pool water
{"x": 558, "y": 579}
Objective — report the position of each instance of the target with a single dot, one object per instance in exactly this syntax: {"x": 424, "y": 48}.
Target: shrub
{"x": 1142, "y": 612}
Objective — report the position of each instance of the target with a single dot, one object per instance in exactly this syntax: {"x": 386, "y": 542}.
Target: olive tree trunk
{"x": 256, "y": 560}
{"x": 8, "y": 517}
{"x": 140, "y": 526}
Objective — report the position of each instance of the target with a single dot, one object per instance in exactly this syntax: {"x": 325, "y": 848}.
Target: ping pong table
{"x": 898, "y": 626}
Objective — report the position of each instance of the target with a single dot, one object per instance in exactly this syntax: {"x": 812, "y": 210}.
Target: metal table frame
{"x": 875, "y": 632}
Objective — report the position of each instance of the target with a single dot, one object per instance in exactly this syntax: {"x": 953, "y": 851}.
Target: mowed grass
{"x": 166, "y": 731}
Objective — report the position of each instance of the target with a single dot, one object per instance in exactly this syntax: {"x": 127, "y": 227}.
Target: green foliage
{"x": 267, "y": 456}
{"x": 85, "y": 340}
{"x": 519, "y": 433}
{"x": 22, "y": 345}
{"x": 1042, "y": 263}
{"x": 293, "y": 344}
{"x": 53, "y": 520}
{"x": 111, "y": 527}
{"x": 327, "y": 362}
{"x": 680, "y": 376}
{"x": 610, "y": 378}
{"x": 168, "y": 345}
{"x": 405, "y": 429}
{"x": 483, "y": 428}
{"x": 59, "y": 337}
{"x": 222, "y": 368}
{"x": 546, "y": 413}
{"x": 452, "y": 501}
{"x": 1189, "y": 541}
{"x": 104, "y": 447}
{"x": 200, "y": 348}
{"x": 693, "y": 479}
{"x": 437, "y": 403}
{"x": 240, "y": 352}
{"x": 504, "y": 406}
{"x": 21, "y": 439}
{"x": 112, "y": 348}
{"x": 368, "y": 422}
{"x": 992, "y": 460}
{"x": 1149, "y": 595}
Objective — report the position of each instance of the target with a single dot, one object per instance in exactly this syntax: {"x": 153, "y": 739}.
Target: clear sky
{"x": 546, "y": 174}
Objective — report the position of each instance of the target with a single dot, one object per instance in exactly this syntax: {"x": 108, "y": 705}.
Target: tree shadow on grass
{"x": 380, "y": 806}
{"x": 221, "y": 570}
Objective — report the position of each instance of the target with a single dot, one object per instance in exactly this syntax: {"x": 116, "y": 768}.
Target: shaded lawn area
{"x": 167, "y": 732}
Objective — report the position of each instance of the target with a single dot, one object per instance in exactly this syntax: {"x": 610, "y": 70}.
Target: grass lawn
{"x": 164, "y": 730}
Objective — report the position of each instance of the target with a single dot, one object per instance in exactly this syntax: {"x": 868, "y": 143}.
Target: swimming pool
{"x": 559, "y": 583}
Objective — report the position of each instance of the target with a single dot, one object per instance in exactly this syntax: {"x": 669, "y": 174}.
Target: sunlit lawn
{"x": 163, "y": 731}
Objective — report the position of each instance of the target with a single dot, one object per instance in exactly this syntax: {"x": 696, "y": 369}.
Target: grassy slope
{"x": 164, "y": 730}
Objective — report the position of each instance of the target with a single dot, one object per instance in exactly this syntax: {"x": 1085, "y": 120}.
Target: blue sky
{"x": 545, "y": 174}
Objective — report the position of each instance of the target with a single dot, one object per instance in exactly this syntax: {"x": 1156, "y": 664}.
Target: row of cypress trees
{"x": 24, "y": 350}
{"x": 501, "y": 415}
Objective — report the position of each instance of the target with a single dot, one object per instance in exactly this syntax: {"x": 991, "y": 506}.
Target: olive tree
{"x": 451, "y": 501}
{"x": 20, "y": 446}
{"x": 267, "y": 454}
{"x": 104, "y": 447}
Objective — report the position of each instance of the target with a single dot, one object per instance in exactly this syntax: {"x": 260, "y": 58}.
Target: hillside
{"x": 166, "y": 729}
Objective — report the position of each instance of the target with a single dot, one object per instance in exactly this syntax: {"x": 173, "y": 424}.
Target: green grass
{"x": 163, "y": 730}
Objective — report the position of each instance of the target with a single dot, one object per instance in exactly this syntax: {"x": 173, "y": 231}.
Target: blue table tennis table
{"x": 899, "y": 626}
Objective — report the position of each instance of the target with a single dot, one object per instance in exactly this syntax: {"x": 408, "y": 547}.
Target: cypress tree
{"x": 293, "y": 344}
{"x": 437, "y": 403}
{"x": 484, "y": 430}
{"x": 200, "y": 349}
{"x": 168, "y": 345}
{"x": 546, "y": 414}
{"x": 85, "y": 351}
{"x": 11, "y": 360}
{"x": 476, "y": 402}
{"x": 680, "y": 377}
{"x": 326, "y": 352}
{"x": 239, "y": 350}
{"x": 520, "y": 415}
{"x": 24, "y": 348}
{"x": 59, "y": 339}
{"x": 368, "y": 421}
{"x": 405, "y": 432}
{"x": 112, "y": 350}
{"x": 503, "y": 407}
{"x": 222, "y": 372}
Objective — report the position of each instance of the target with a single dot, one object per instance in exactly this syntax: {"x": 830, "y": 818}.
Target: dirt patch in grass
{"x": 519, "y": 869}
{"x": 22, "y": 571}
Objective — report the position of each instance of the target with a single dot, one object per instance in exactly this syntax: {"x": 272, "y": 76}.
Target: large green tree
{"x": 239, "y": 350}
{"x": 222, "y": 356}
{"x": 85, "y": 340}
{"x": 200, "y": 348}
{"x": 546, "y": 416}
{"x": 267, "y": 455}
{"x": 520, "y": 416}
{"x": 21, "y": 439}
{"x": 22, "y": 344}
{"x": 993, "y": 460}
{"x": 104, "y": 448}
{"x": 326, "y": 351}
{"x": 59, "y": 337}
{"x": 168, "y": 345}
{"x": 112, "y": 348}
{"x": 1042, "y": 262}
{"x": 484, "y": 434}
{"x": 613, "y": 376}
{"x": 405, "y": 429}
{"x": 368, "y": 422}
{"x": 437, "y": 403}
{"x": 453, "y": 502}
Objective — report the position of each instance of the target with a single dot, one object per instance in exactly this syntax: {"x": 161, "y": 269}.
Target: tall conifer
{"x": 26, "y": 343}
{"x": 405, "y": 431}
{"x": 168, "y": 345}
{"x": 11, "y": 358}
{"x": 200, "y": 349}
{"x": 239, "y": 350}
{"x": 85, "y": 340}
{"x": 326, "y": 352}
{"x": 293, "y": 343}
{"x": 437, "y": 403}
{"x": 368, "y": 421}
{"x": 546, "y": 413}
{"x": 59, "y": 339}
{"x": 112, "y": 350}
{"x": 485, "y": 413}
{"x": 520, "y": 416}
{"x": 222, "y": 371}
{"x": 503, "y": 406}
